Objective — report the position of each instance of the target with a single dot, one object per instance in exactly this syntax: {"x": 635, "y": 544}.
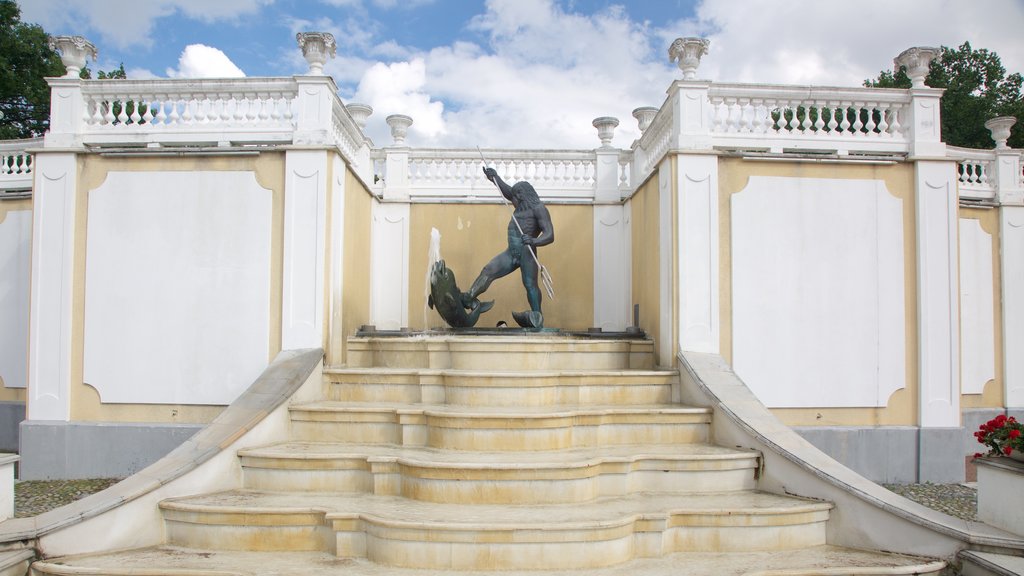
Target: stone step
{"x": 542, "y": 351}
{"x": 399, "y": 532}
{"x": 176, "y": 561}
{"x": 498, "y": 428}
{"x": 496, "y": 388}
{"x": 550, "y": 477}
{"x": 978, "y": 563}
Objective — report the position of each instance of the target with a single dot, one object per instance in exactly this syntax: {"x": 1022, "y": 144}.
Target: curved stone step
{"x": 175, "y": 561}
{"x": 407, "y": 533}
{"x": 497, "y": 388}
{"x": 498, "y": 429}
{"x": 498, "y": 477}
{"x": 542, "y": 351}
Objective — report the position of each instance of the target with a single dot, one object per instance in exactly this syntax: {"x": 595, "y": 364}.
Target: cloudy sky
{"x": 525, "y": 73}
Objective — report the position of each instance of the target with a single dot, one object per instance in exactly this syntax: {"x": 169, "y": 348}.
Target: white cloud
{"x": 199, "y": 61}
{"x": 398, "y": 89}
{"x": 126, "y": 23}
{"x": 837, "y": 43}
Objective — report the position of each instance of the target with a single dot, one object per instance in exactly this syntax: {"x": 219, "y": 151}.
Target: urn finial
{"x": 688, "y": 52}
{"x": 317, "y": 49}
{"x": 1000, "y": 129}
{"x": 399, "y": 124}
{"x": 360, "y": 113}
{"x": 917, "y": 60}
{"x": 74, "y": 50}
{"x": 605, "y": 129}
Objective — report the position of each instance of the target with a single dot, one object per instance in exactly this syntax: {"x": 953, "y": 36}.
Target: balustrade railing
{"x": 844, "y": 119}
{"x": 16, "y": 163}
{"x": 975, "y": 172}
{"x": 561, "y": 175}
{"x": 252, "y": 109}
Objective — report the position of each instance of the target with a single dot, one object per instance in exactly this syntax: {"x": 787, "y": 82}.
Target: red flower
{"x": 1007, "y": 450}
{"x": 978, "y": 454}
{"x": 1015, "y": 433}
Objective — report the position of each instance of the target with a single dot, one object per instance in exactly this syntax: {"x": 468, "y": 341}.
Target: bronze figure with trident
{"x": 529, "y": 227}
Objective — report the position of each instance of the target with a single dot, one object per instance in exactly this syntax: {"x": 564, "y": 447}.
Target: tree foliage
{"x": 977, "y": 89}
{"x": 25, "y": 61}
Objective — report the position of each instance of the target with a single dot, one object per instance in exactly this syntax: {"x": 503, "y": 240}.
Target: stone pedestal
{"x": 1001, "y": 493}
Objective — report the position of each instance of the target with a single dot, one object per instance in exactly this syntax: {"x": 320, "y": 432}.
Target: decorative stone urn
{"x": 317, "y": 48}
{"x": 644, "y": 116}
{"x": 916, "y": 60}
{"x": 360, "y": 113}
{"x": 606, "y": 129}
{"x": 688, "y": 52}
{"x": 399, "y": 124}
{"x": 74, "y": 50}
{"x": 1000, "y": 129}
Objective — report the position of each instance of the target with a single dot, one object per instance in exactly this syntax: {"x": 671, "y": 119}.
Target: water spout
{"x": 433, "y": 255}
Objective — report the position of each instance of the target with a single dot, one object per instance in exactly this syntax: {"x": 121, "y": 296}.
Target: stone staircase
{"x": 511, "y": 453}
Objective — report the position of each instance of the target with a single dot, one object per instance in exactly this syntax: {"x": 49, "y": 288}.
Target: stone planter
{"x": 1001, "y": 492}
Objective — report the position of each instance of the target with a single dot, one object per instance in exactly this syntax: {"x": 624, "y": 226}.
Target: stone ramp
{"x": 176, "y": 561}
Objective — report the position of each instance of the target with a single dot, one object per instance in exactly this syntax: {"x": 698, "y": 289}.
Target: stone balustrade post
{"x": 314, "y": 106}
{"x": 607, "y": 165}
{"x": 396, "y": 185}
{"x": 67, "y": 108}
{"x": 925, "y": 122}
{"x": 1007, "y": 176}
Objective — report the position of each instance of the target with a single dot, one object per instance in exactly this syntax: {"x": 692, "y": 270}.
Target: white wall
{"x": 977, "y": 308}
{"x": 15, "y": 267}
{"x": 818, "y": 291}
{"x": 177, "y": 285}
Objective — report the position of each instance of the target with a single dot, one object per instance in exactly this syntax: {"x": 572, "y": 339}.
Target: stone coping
{"x": 281, "y": 379}
{"x": 6, "y": 458}
{"x": 1003, "y": 463}
{"x": 733, "y": 400}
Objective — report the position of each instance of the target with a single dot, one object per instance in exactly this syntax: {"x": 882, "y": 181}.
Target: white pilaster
{"x": 691, "y": 127}
{"x": 302, "y": 316}
{"x": 66, "y": 113}
{"x": 698, "y": 253}
{"x": 977, "y": 330}
{"x": 938, "y": 305}
{"x": 926, "y": 123}
{"x": 389, "y": 262}
{"x": 314, "y": 103}
{"x": 612, "y": 277}
{"x": 336, "y": 336}
{"x": 50, "y": 310}
{"x": 1011, "y": 224}
{"x": 666, "y": 353}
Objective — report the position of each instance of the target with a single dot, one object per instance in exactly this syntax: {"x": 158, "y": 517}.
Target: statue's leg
{"x": 501, "y": 265}
{"x": 530, "y": 271}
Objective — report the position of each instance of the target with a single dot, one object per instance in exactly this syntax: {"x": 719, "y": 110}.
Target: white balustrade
{"x": 249, "y": 108}
{"x": 16, "y": 163}
{"x": 448, "y": 174}
{"x": 808, "y": 114}
{"x": 975, "y": 176}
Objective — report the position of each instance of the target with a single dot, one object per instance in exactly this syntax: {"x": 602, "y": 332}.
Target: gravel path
{"x": 37, "y": 496}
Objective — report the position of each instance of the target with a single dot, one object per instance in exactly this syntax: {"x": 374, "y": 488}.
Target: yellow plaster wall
{"x": 356, "y": 290}
{"x": 993, "y": 394}
{"x": 6, "y": 207}
{"x": 268, "y": 167}
{"x": 472, "y": 234}
{"x": 645, "y": 235}
{"x": 734, "y": 174}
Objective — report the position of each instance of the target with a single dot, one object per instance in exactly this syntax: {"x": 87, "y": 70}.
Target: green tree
{"x": 25, "y": 61}
{"x": 977, "y": 89}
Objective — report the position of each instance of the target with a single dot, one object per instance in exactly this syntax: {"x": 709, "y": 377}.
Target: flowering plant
{"x": 1002, "y": 435}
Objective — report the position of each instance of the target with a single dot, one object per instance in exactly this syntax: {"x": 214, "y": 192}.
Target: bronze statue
{"x": 529, "y": 227}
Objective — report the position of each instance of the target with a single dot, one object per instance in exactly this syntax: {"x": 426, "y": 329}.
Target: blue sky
{"x": 530, "y": 73}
